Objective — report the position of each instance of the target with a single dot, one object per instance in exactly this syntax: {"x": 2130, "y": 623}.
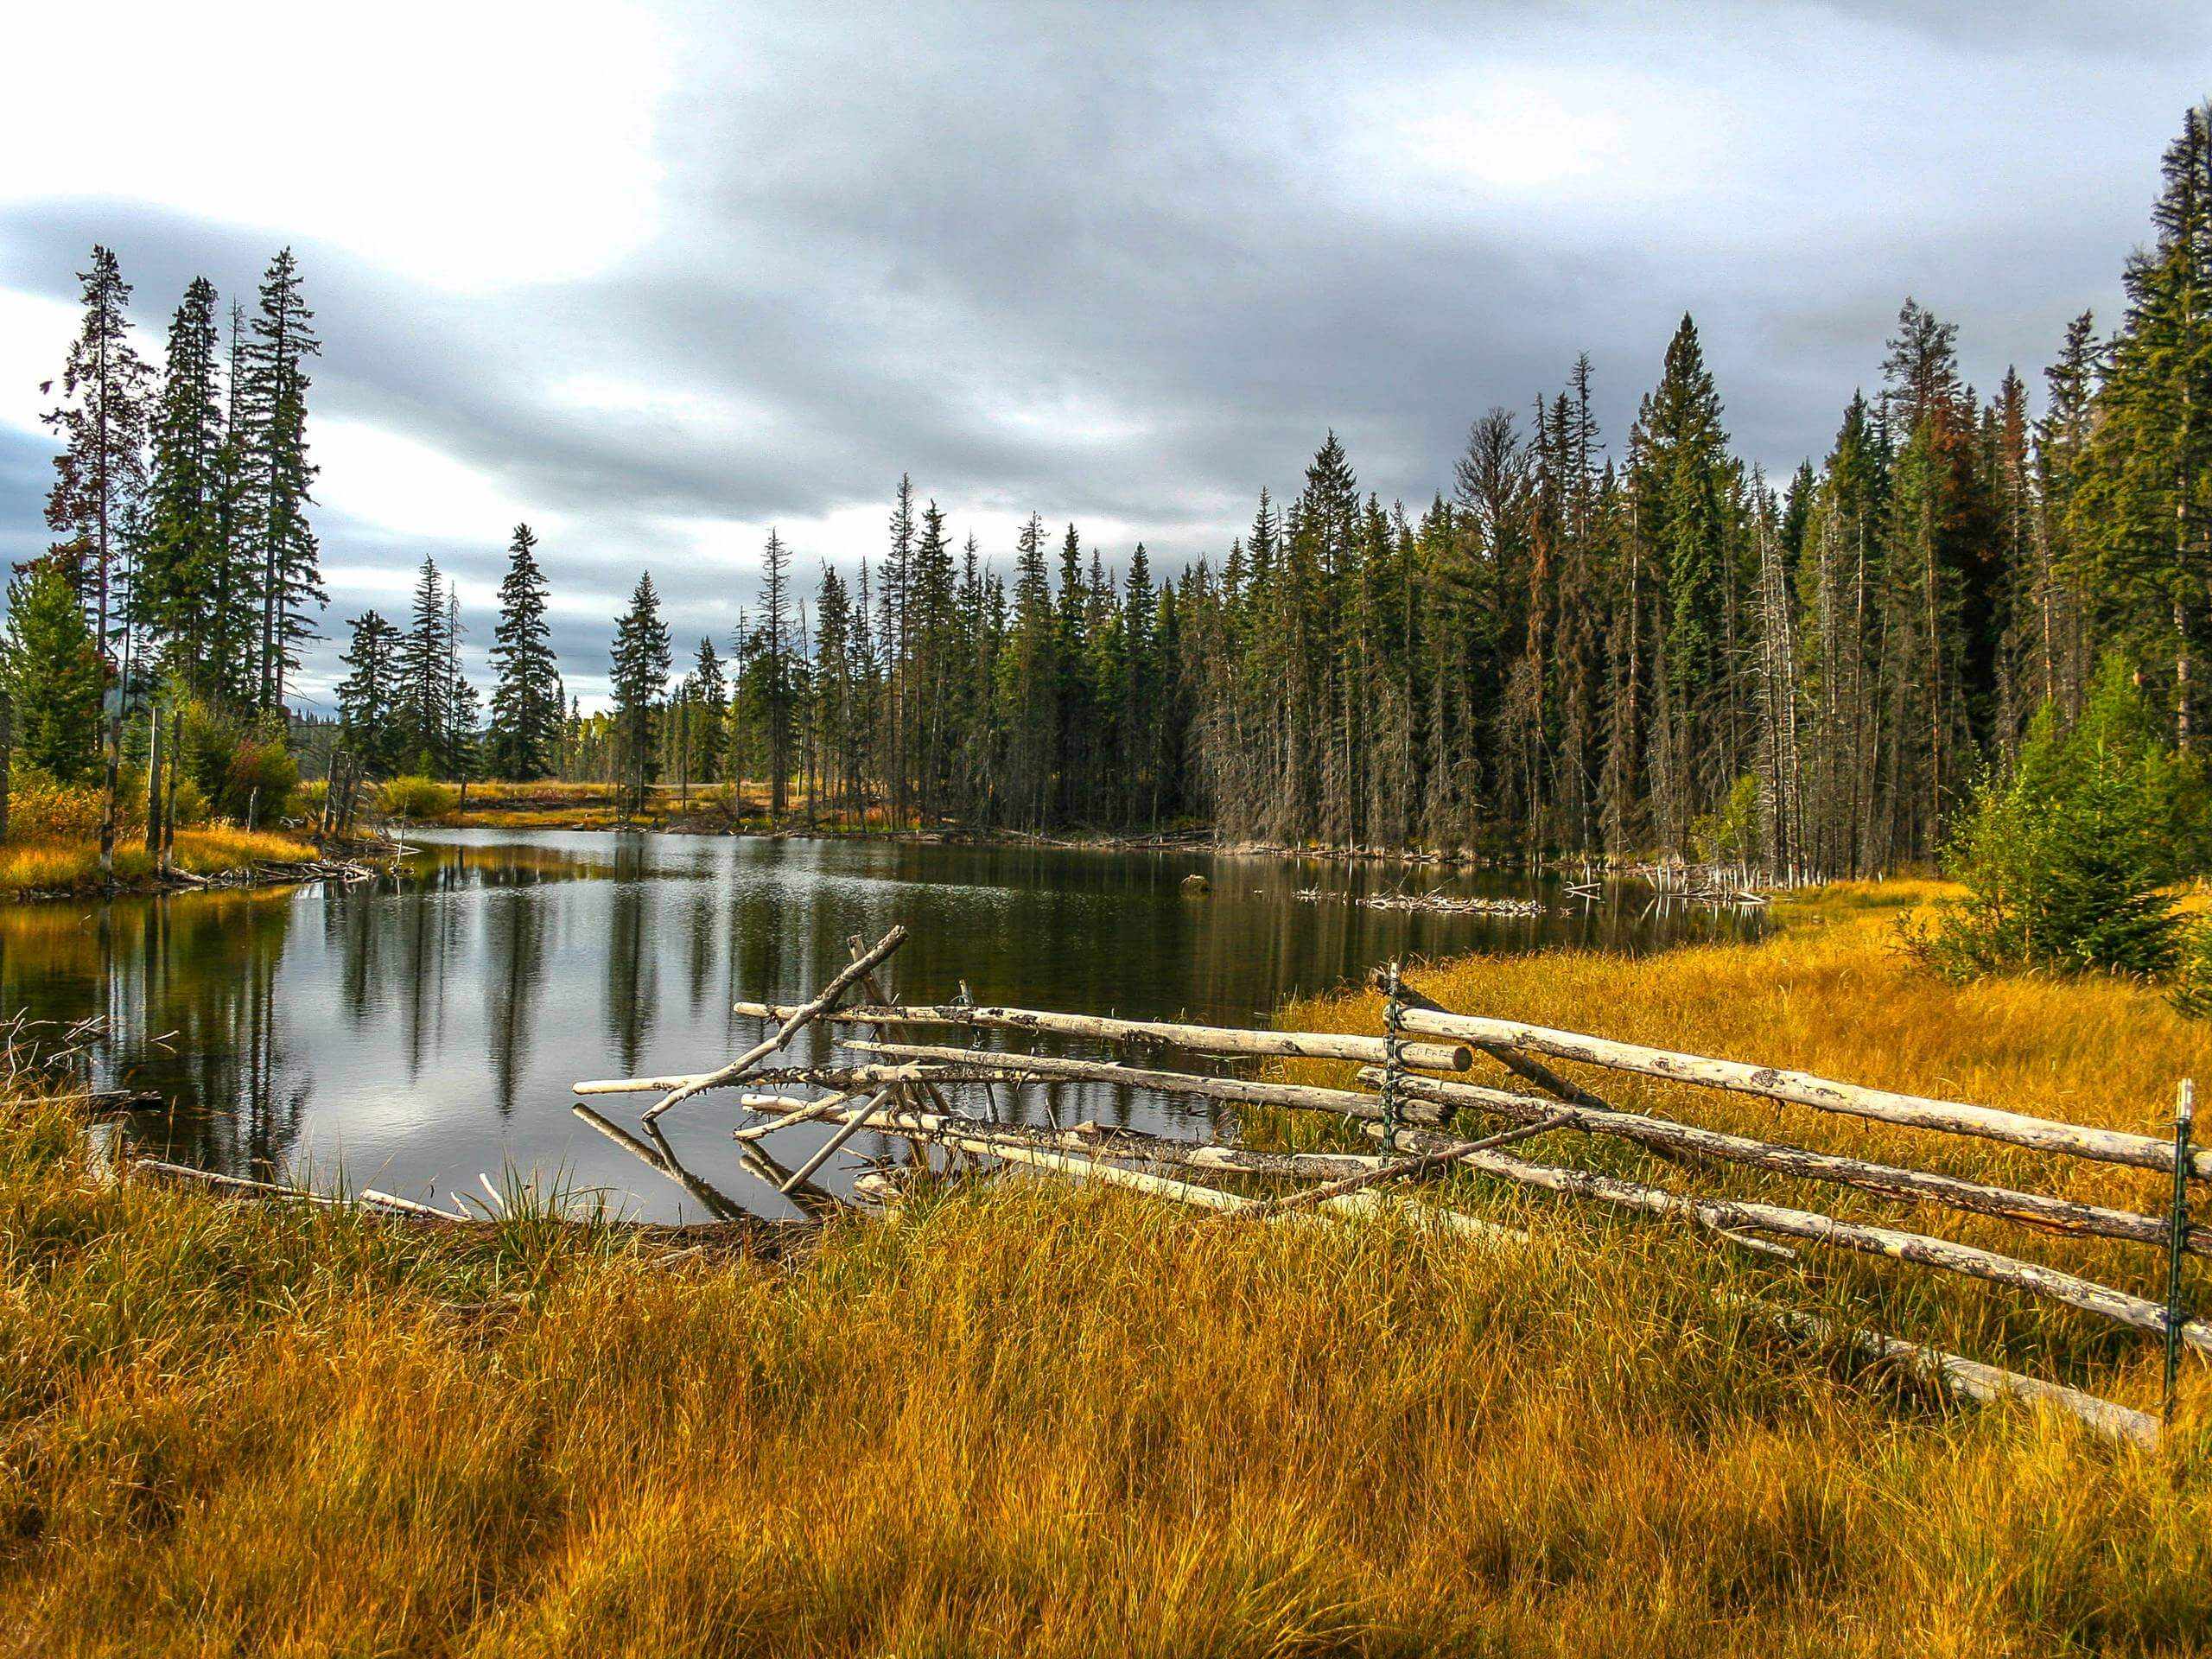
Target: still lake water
{"x": 409, "y": 1033}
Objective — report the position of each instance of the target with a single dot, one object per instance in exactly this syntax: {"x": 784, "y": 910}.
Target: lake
{"x": 411, "y": 1032}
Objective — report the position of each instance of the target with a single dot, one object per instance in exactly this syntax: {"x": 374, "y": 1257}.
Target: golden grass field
{"x": 75, "y": 865}
{"x": 1027, "y": 1419}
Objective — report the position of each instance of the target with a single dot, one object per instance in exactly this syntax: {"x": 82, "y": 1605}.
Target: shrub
{"x": 260, "y": 780}
{"x": 41, "y": 811}
{"x": 2066, "y": 858}
{"x": 417, "y": 797}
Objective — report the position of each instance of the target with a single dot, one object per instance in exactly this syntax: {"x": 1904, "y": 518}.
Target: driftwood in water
{"x": 1198, "y": 1039}
{"x": 1909, "y": 1185}
{"x": 1803, "y": 1088}
{"x": 793, "y": 1023}
{"x": 661, "y": 1156}
{"x": 1741, "y": 1214}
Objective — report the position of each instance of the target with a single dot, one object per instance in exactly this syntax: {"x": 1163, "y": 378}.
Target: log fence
{"x": 1410, "y": 1098}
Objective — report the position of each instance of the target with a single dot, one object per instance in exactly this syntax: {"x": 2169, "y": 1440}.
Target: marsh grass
{"x": 74, "y": 867}
{"x": 1022, "y": 1418}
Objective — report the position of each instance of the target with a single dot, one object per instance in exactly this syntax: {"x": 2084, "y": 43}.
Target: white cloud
{"x": 35, "y": 334}
{"x": 400, "y": 484}
{"x": 465, "y": 145}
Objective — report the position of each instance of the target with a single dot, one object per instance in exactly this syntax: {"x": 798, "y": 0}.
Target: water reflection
{"x": 426, "y": 1027}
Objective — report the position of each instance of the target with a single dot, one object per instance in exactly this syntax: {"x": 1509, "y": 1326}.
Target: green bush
{"x": 2067, "y": 858}
{"x": 261, "y": 780}
{"x": 417, "y": 797}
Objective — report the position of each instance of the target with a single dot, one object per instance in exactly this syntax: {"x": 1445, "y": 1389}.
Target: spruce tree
{"x": 641, "y": 660}
{"x": 426, "y": 675}
{"x": 710, "y": 687}
{"x": 526, "y": 693}
{"x": 180, "y": 568}
{"x": 369, "y": 698}
{"x": 279, "y": 476}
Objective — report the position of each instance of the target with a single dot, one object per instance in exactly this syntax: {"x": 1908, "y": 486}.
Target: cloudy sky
{"x": 656, "y": 277}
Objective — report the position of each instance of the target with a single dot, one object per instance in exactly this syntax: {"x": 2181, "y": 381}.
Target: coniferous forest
{"x": 1583, "y": 643}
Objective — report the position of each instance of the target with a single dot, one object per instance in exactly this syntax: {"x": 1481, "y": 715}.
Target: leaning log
{"x": 1803, "y": 1088}
{"x": 793, "y": 1023}
{"x": 1908, "y": 1186}
{"x": 1199, "y": 1039}
{"x": 1740, "y": 1215}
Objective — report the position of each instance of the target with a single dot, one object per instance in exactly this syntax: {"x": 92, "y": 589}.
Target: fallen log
{"x": 793, "y": 1023}
{"x": 1238, "y": 1092}
{"x": 1740, "y": 1215}
{"x": 1822, "y": 1094}
{"x": 1909, "y": 1185}
{"x": 1399, "y": 1169}
{"x": 1199, "y": 1039}
{"x": 856, "y": 1078}
{"x": 1989, "y": 1384}
{"x": 243, "y": 1186}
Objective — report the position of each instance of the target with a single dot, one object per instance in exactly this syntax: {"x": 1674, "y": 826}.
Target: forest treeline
{"x": 1582, "y": 644}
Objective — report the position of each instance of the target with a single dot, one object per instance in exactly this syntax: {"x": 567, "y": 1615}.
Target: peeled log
{"x": 1908, "y": 1186}
{"x": 1803, "y": 1088}
{"x": 1016, "y": 1068}
{"x": 1739, "y": 1215}
{"x": 1199, "y": 1039}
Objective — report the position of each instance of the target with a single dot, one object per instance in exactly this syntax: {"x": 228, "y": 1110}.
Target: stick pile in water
{"x": 1410, "y": 1097}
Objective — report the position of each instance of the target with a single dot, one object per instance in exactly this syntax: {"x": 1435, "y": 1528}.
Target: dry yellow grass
{"x": 1031, "y": 1419}
{"x": 1831, "y": 992}
{"x": 73, "y": 867}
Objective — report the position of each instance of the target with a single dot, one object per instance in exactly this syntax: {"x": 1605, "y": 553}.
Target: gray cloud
{"x": 1125, "y": 265}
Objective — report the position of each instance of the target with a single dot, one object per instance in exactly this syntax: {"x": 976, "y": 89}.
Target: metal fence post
{"x": 1393, "y": 1018}
{"x": 2177, "y": 1236}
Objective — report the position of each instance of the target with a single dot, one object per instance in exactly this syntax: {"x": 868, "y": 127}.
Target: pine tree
{"x": 279, "y": 476}
{"x": 369, "y": 698}
{"x": 778, "y": 698}
{"x": 180, "y": 568}
{"x": 641, "y": 661}
{"x": 526, "y": 692}
{"x": 100, "y": 473}
{"x": 710, "y": 687}
{"x": 426, "y": 676}
{"x": 52, "y": 672}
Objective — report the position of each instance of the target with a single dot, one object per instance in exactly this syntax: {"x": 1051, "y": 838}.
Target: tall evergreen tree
{"x": 526, "y": 691}
{"x": 426, "y": 676}
{"x": 180, "y": 568}
{"x": 280, "y": 478}
{"x": 370, "y": 698}
{"x": 100, "y": 473}
{"x": 641, "y": 661}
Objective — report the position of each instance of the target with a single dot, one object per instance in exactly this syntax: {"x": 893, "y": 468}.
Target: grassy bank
{"x": 1029, "y": 1419}
{"x": 74, "y": 865}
